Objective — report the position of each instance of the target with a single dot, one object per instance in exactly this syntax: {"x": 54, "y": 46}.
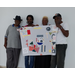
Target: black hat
{"x": 57, "y": 15}
{"x": 18, "y": 18}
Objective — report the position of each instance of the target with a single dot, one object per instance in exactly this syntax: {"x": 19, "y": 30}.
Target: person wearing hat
{"x": 61, "y": 43}
{"x": 12, "y": 43}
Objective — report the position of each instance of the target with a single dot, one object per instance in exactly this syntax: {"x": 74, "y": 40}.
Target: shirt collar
{"x": 18, "y": 26}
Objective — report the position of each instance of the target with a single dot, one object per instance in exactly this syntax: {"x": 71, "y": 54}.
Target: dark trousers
{"x": 42, "y": 61}
{"x": 12, "y": 57}
{"x": 27, "y": 64}
{"x": 59, "y": 58}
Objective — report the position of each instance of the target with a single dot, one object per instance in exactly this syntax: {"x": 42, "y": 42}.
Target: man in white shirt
{"x": 61, "y": 43}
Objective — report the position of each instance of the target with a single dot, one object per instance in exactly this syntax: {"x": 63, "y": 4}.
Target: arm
{"x": 5, "y": 42}
{"x": 6, "y": 37}
{"x": 65, "y": 32}
{"x": 34, "y": 25}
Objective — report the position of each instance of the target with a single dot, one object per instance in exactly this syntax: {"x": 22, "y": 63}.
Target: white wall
{"x": 68, "y": 15}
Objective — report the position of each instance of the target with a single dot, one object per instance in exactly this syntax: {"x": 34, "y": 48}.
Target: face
{"x": 29, "y": 21}
{"x": 17, "y": 22}
{"x": 58, "y": 20}
{"x": 44, "y": 21}
{"x": 40, "y": 41}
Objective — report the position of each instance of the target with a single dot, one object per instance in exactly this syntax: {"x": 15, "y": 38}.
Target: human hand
{"x": 58, "y": 25}
{"x": 5, "y": 45}
{"x": 49, "y": 24}
{"x": 36, "y": 25}
{"x": 33, "y": 25}
{"x": 23, "y": 26}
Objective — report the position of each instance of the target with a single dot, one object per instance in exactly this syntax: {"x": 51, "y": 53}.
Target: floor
{"x": 2, "y": 67}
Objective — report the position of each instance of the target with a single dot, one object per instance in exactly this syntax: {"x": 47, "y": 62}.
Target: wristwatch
{"x": 61, "y": 28}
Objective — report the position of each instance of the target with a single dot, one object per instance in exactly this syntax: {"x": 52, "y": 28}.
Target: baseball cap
{"x": 57, "y": 15}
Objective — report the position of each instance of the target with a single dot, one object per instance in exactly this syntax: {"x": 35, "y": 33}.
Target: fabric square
{"x": 28, "y": 32}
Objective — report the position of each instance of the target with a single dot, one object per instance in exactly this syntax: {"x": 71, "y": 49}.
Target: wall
{"x": 68, "y": 15}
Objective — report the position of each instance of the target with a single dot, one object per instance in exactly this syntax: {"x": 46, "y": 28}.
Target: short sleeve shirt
{"x": 61, "y": 39}
{"x": 13, "y": 37}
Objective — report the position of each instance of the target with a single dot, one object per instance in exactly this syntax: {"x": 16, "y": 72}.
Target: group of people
{"x": 12, "y": 43}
